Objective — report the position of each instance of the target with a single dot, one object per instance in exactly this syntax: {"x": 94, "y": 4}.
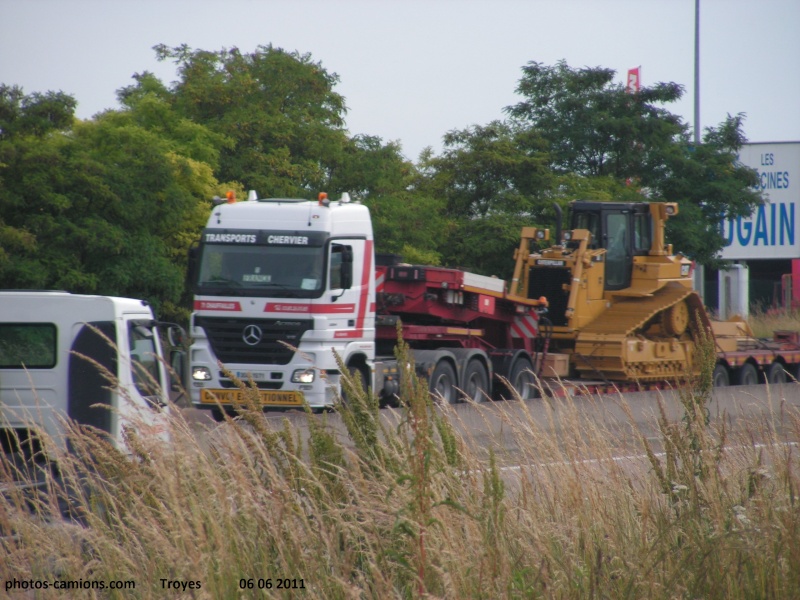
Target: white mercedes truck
{"x": 277, "y": 291}
{"x": 284, "y": 286}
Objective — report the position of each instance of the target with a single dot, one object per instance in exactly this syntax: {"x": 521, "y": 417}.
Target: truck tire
{"x": 777, "y": 374}
{"x": 442, "y": 384}
{"x": 522, "y": 379}
{"x": 721, "y": 377}
{"x": 747, "y": 375}
{"x": 476, "y": 381}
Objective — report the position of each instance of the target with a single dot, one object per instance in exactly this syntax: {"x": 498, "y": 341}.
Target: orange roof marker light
{"x": 323, "y": 199}
{"x": 230, "y": 198}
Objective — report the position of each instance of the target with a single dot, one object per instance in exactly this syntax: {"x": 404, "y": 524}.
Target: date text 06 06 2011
{"x": 269, "y": 584}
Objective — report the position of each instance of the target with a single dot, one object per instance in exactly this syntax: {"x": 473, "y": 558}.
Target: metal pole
{"x": 697, "y": 72}
{"x": 699, "y": 276}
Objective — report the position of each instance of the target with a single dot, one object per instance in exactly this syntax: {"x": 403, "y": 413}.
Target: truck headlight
{"x": 201, "y": 374}
{"x": 303, "y": 376}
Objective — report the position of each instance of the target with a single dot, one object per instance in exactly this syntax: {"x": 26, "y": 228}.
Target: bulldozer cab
{"x": 623, "y": 229}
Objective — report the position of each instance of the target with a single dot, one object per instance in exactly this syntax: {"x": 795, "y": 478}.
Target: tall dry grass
{"x": 764, "y": 322}
{"x": 417, "y": 503}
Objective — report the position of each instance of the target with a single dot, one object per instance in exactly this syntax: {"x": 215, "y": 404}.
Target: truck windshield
{"x": 279, "y": 271}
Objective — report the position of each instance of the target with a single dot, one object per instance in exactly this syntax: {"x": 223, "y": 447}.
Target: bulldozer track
{"x": 631, "y": 314}
{"x": 613, "y": 344}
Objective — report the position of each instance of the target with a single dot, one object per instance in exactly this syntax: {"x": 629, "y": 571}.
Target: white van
{"x": 94, "y": 359}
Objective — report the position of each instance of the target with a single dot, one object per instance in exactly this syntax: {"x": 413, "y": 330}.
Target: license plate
{"x": 266, "y": 397}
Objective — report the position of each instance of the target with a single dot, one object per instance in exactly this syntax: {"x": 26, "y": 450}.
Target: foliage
{"x": 279, "y": 128}
{"x": 34, "y": 114}
{"x": 278, "y": 108}
{"x": 492, "y": 180}
{"x": 112, "y": 204}
{"x": 594, "y": 128}
{"x": 107, "y": 207}
{"x": 711, "y": 185}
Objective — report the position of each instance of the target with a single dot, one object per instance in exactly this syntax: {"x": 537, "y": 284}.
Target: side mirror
{"x": 176, "y": 336}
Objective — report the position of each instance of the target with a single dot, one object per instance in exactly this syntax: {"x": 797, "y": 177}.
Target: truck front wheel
{"x": 442, "y": 384}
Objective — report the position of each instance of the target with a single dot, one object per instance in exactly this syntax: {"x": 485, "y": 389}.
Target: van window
{"x": 144, "y": 359}
{"x": 28, "y": 345}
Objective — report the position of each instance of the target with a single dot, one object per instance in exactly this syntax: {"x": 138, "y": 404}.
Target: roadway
{"x": 759, "y": 413}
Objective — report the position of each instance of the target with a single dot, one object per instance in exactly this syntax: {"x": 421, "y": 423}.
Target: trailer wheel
{"x": 476, "y": 381}
{"x": 721, "y": 377}
{"x": 777, "y": 374}
{"x": 442, "y": 384}
{"x": 522, "y": 379}
{"x": 748, "y": 375}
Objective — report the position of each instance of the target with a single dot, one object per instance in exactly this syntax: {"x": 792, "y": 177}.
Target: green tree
{"x": 106, "y": 207}
{"x": 594, "y": 128}
{"x": 406, "y": 221}
{"x": 278, "y": 108}
{"x": 493, "y": 180}
{"x": 282, "y": 134}
{"x": 35, "y": 114}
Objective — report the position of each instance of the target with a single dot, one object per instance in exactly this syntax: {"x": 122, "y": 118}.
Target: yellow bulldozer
{"x": 621, "y": 305}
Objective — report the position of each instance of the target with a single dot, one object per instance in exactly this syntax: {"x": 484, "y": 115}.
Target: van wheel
{"x": 443, "y": 383}
{"x": 748, "y": 375}
{"x": 721, "y": 377}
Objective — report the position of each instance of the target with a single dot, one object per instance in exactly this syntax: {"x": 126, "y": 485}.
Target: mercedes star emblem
{"x": 252, "y": 335}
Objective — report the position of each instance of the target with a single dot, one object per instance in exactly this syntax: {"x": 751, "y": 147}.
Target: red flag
{"x": 633, "y": 81}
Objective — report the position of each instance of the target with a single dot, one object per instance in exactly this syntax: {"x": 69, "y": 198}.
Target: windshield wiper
{"x": 290, "y": 291}
{"x": 221, "y": 282}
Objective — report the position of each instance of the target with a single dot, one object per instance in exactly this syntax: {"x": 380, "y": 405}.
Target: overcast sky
{"x": 411, "y": 70}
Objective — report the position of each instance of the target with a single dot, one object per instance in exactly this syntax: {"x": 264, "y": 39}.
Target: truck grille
{"x": 264, "y": 337}
{"x": 549, "y": 282}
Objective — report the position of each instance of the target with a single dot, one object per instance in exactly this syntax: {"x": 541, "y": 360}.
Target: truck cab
{"x": 280, "y": 285}
{"x": 623, "y": 229}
